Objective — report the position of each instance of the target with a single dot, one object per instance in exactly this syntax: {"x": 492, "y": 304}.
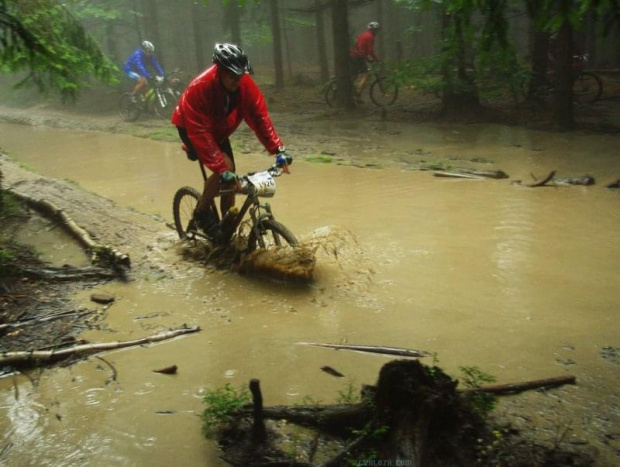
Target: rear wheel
{"x": 183, "y": 206}
{"x": 129, "y": 108}
{"x": 272, "y": 234}
{"x": 165, "y": 102}
{"x": 383, "y": 92}
{"x": 587, "y": 88}
{"x": 330, "y": 94}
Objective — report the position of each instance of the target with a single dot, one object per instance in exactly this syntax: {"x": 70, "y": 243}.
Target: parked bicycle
{"x": 160, "y": 99}
{"x": 383, "y": 90}
{"x": 587, "y": 86}
{"x": 264, "y": 230}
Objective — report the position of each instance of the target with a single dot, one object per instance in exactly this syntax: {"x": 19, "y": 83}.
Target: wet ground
{"x": 521, "y": 282}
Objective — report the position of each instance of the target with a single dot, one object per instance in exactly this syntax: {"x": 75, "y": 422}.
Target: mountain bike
{"x": 160, "y": 99}
{"x": 587, "y": 87}
{"x": 383, "y": 90}
{"x": 264, "y": 230}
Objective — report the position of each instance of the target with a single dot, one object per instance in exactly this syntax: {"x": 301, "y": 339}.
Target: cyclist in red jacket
{"x": 209, "y": 111}
{"x": 364, "y": 51}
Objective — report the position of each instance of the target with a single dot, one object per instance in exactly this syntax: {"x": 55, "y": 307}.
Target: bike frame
{"x": 251, "y": 205}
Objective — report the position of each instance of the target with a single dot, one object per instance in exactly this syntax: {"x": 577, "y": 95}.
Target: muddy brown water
{"x": 523, "y": 283}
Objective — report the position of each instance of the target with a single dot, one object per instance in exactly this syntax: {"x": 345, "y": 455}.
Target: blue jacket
{"x": 136, "y": 62}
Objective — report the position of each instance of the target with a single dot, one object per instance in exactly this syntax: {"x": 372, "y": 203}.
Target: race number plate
{"x": 264, "y": 183}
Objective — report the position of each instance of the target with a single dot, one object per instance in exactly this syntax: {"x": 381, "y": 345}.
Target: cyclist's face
{"x": 229, "y": 80}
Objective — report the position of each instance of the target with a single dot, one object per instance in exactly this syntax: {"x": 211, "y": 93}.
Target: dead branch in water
{"x": 19, "y": 324}
{"x": 514, "y": 388}
{"x": 543, "y": 182}
{"x": 457, "y": 175}
{"x": 67, "y": 273}
{"x": 372, "y": 349}
{"x": 39, "y": 356}
{"x": 100, "y": 253}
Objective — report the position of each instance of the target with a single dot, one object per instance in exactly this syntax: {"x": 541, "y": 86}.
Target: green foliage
{"x": 64, "y": 55}
{"x": 222, "y": 405}
{"x": 320, "y": 158}
{"x": 473, "y": 378}
{"x": 350, "y": 395}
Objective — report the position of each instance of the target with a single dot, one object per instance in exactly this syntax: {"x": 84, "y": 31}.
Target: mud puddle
{"x": 520, "y": 282}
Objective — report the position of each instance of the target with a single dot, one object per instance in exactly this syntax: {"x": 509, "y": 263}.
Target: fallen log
{"x": 515, "y": 388}
{"x": 68, "y": 273}
{"x": 372, "y": 349}
{"x": 496, "y": 174}
{"x": 27, "y": 357}
{"x": 99, "y": 253}
{"x": 586, "y": 180}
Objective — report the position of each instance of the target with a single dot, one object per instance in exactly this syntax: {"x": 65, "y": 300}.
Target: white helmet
{"x": 373, "y": 25}
{"x": 146, "y": 45}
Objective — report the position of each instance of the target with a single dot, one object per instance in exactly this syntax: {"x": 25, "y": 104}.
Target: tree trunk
{"x": 340, "y": 25}
{"x": 277, "y": 43}
{"x": 197, "y": 10}
{"x": 460, "y": 95}
{"x": 563, "y": 98}
{"x": 232, "y": 18}
{"x": 151, "y": 27}
{"x": 320, "y": 40}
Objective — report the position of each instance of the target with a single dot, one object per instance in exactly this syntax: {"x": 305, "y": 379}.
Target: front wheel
{"x": 383, "y": 92}
{"x": 183, "y": 206}
{"x": 587, "y": 88}
{"x": 270, "y": 234}
{"x": 129, "y": 108}
{"x": 165, "y": 102}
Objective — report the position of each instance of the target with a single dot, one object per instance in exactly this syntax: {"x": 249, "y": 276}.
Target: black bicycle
{"x": 587, "y": 87}
{"x": 160, "y": 99}
{"x": 383, "y": 90}
{"x": 264, "y": 230}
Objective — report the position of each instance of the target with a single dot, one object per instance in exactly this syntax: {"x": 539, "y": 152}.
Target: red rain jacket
{"x": 364, "y": 46}
{"x": 202, "y": 112}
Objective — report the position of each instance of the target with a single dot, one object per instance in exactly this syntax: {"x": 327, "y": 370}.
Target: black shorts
{"x": 225, "y": 146}
{"x": 358, "y": 66}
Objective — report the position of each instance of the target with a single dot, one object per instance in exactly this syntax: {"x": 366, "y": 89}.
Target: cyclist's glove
{"x": 159, "y": 79}
{"x": 228, "y": 178}
{"x": 283, "y": 158}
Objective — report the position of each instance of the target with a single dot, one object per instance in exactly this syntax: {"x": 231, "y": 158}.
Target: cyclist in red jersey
{"x": 364, "y": 51}
{"x": 209, "y": 111}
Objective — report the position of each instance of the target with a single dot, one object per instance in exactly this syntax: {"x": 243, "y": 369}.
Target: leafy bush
{"x": 222, "y": 405}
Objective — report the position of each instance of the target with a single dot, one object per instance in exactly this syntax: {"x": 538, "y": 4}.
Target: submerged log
{"x": 39, "y": 356}
{"x": 586, "y": 180}
{"x": 514, "y": 388}
{"x": 457, "y": 175}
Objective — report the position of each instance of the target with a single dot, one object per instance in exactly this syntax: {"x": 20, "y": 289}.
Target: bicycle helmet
{"x": 373, "y": 25}
{"x": 233, "y": 58}
{"x": 148, "y": 46}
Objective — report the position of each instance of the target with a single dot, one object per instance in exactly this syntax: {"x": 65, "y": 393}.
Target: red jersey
{"x": 202, "y": 112}
{"x": 364, "y": 46}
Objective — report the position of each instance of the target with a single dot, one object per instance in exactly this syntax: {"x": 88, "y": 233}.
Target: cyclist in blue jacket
{"x": 137, "y": 67}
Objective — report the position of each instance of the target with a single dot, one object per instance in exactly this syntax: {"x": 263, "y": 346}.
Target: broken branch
{"x": 366, "y": 348}
{"x": 39, "y": 356}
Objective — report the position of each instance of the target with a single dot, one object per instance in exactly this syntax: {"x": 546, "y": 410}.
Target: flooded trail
{"x": 520, "y": 282}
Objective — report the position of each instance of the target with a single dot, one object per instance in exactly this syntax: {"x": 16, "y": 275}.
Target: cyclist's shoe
{"x": 134, "y": 99}
{"x": 207, "y": 222}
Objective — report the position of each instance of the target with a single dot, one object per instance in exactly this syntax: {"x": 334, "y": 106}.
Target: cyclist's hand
{"x": 159, "y": 79}
{"x": 283, "y": 160}
{"x": 228, "y": 178}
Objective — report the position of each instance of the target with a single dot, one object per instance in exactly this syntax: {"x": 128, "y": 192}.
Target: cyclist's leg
{"x": 227, "y": 201}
